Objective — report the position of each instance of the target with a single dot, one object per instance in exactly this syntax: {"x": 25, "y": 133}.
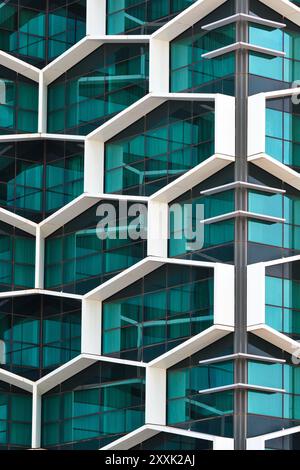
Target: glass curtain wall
{"x": 38, "y": 31}
{"x": 100, "y": 86}
{"x": 212, "y": 242}
{"x": 15, "y": 418}
{"x": 193, "y": 73}
{"x": 268, "y": 72}
{"x": 93, "y": 408}
{"x": 278, "y": 409}
{"x": 156, "y": 314}
{"x": 38, "y": 333}
{"x": 277, "y": 239}
{"x": 18, "y": 103}
{"x": 78, "y": 258}
{"x": 141, "y": 16}
{"x": 157, "y": 149}
{"x": 202, "y": 412}
{"x": 39, "y": 177}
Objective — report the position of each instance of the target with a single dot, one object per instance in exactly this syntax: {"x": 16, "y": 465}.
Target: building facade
{"x": 150, "y": 224}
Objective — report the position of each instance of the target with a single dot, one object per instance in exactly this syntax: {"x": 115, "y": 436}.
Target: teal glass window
{"x": 66, "y": 26}
{"x": 283, "y": 299}
{"x": 39, "y": 31}
{"x": 95, "y": 407}
{"x": 269, "y": 72}
{"x": 187, "y": 408}
{"x": 282, "y": 132}
{"x": 39, "y": 177}
{"x": 141, "y": 16}
{"x": 280, "y": 239}
{"x": 158, "y": 313}
{"x": 38, "y": 333}
{"x": 157, "y": 149}
{"x": 100, "y": 86}
{"x": 17, "y": 259}
{"x": 188, "y": 237}
{"x": 273, "y": 410}
{"x": 18, "y": 103}
{"x": 78, "y": 260}
{"x": 190, "y": 71}
{"x": 284, "y": 405}
{"x": 15, "y": 418}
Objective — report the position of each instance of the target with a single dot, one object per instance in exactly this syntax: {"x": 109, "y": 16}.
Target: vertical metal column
{"x": 241, "y": 230}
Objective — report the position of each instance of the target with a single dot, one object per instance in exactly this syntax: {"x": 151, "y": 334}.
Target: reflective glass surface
{"x": 188, "y": 236}
{"x": 158, "y": 313}
{"x": 39, "y": 177}
{"x": 95, "y": 407}
{"x": 202, "y": 412}
{"x": 38, "y": 333}
{"x": 163, "y": 145}
{"x": 39, "y": 31}
{"x": 190, "y": 71}
{"x": 286, "y": 404}
{"x": 17, "y": 258}
{"x": 289, "y": 442}
{"x": 282, "y": 132}
{"x": 157, "y": 149}
{"x": 78, "y": 259}
{"x": 277, "y": 239}
{"x": 277, "y": 409}
{"x": 269, "y": 72}
{"x": 141, "y": 16}
{"x": 15, "y": 418}
{"x": 100, "y": 86}
{"x": 18, "y": 103}
{"x": 282, "y": 298}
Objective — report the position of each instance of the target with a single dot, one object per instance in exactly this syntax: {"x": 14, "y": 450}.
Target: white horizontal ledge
{"x": 79, "y": 205}
{"x": 191, "y": 346}
{"x": 281, "y": 93}
{"x": 192, "y": 178}
{"x": 245, "y": 214}
{"x": 16, "y": 380}
{"x": 289, "y": 259}
{"x": 242, "y": 386}
{"x": 288, "y": 9}
{"x": 242, "y": 45}
{"x": 248, "y": 357}
{"x": 242, "y": 185}
{"x": 139, "y": 109}
{"x": 243, "y": 17}
{"x": 18, "y": 221}
{"x": 76, "y": 365}
{"x": 277, "y": 169}
{"x": 147, "y": 431}
{"x": 19, "y": 66}
{"x": 278, "y": 339}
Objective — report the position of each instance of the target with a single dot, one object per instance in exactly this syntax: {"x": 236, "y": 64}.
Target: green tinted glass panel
{"x": 100, "y": 86}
